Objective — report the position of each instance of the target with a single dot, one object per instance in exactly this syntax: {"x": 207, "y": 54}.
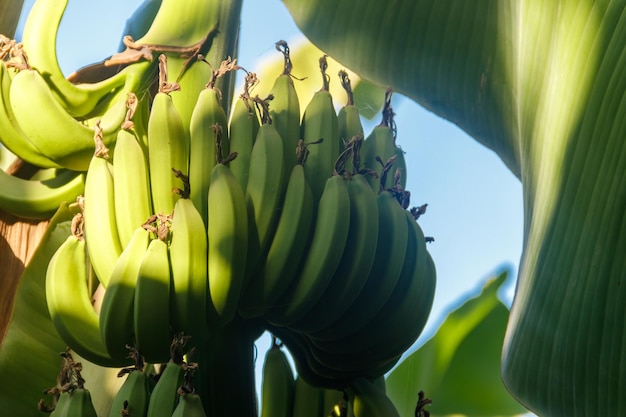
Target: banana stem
{"x": 225, "y": 377}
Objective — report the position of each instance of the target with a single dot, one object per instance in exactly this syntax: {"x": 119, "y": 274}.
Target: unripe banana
{"x": 152, "y": 303}
{"x": 101, "y": 235}
{"x": 133, "y": 203}
{"x": 13, "y": 138}
{"x": 61, "y": 138}
{"x": 78, "y": 403}
{"x": 367, "y": 400}
{"x": 319, "y": 121}
{"x": 277, "y": 386}
{"x": 39, "y": 199}
{"x": 379, "y": 146}
{"x": 227, "y": 242}
{"x": 164, "y": 397}
{"x": 356, "y": 261}
{"x": 168, "y": 147}
{"x": 190, "y": 405}
{"x": 188, "y": 259}
{"x": 324, "y": 253}
{"x": 117, "y": 309}
{"x": 243, "y": 129}
{"x": 286, "y": 249}
{"x": 307, "y": 399}
{"x": 61, "y": 402}
{"x": 264, "y": 192}
{"x": 39, "y": 38}
{"x": 348, "y": 118}
{"x": 208, "y": 113}
{"x": 383, "y": 276}
{"x": 69, "y": 299}
{"x": 133, "y": 395}
{"x": 285, "y": 109}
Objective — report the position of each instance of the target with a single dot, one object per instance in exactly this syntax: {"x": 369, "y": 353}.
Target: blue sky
{"x": 474, "y": 202}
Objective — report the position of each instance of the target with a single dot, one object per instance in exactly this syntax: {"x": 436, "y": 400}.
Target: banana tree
{"x": 540, "y": 83}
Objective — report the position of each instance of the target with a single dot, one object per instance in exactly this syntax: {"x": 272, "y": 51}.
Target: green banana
{"x": 286, "y": 249}
{"x": 368, "y": 400}
{"x": 285, "y": 109}
{"x": 332, "y": 402}
{"x": 356, "y": 261}
{"x": 101, "y": 235}
{"x": 13, "y": 138}
{"x": 389, "y": 257}
{"x": 51, "y": 129}
{"x": 188, "y": 259}
{"x": 307, "y": 399}
{"x": 227, "y": 242}
{"x": 243, "y": 129}
{"x": 348, "y": 118}
{"x": 324, "y": 254}
{"x": 152, "y": 303}
{"x": 133, "y": 203}
{"x": 264, "y": 191}
{"x": 168, "y": 147}
{"x": 190, "y": 405}
{"x": 207, "y": 114}
{"x": 164, "y": 397}
{"x": 319, "y": 121}
{"x": 59, "y": 406}
{"x": 277, "y": 385}
{"x": 409, "y": 303}
{"x": 69, "y": 300}
{"x": 39, "y": 199}
{"x": 39, "y": 38}
{"x": 379, "y": 146}
{"x": 117, "y": 309}
{"x": 133, "y": 396}
{"x": 78, "y": 403}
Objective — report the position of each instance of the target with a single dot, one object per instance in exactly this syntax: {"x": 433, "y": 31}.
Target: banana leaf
{"x": 10, "y": 11}
{"x": 542, "y": 83}
{"x": 459, "y": 367}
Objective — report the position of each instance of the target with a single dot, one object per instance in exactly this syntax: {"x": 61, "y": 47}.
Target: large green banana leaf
{"x": 542, "y": 83}
{"x": 459, "y": 367}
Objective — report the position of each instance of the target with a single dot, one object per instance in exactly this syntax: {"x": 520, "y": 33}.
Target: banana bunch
{"x": 192, "y": 218}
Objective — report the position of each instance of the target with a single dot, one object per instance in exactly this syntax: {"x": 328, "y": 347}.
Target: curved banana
{"x": 152, "y": 303}
{"x": 133, "y": 202}
{"x": 286, "y": 249}
{"x": 367, "y": 400}
{"x": 319, "y": 121}
{"x": 409, "y": 304}
{"x": 164, "y": 397}
{"x": 133, "y": 396}
{"x": 78, "y": 403}
{"x": 117, "y": 309}
{"x": 188, "y": 259}
{"x": 39, "y": 199}
{"x": 189, "y": 405}
{"x": 285, "y": 109}
{"x": 324, "y": 253}
{"x": 207, "y": 114}
{"x": 227, "y": 243}
{"x": 264, "y": 192}
{"x": 356, "y": 261}
{"x": 69, "y": 300}
{"x": 51, "y": 129}
{"x": 243, "y": 129}
{"x": 277, "y": 385}
{"x": 389, "y": 257}
{"x": 101, "y": 235}
{"x": 168, "y": 147}
{"x": 12, "y": 136}
{"x": 39, "y": 38}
